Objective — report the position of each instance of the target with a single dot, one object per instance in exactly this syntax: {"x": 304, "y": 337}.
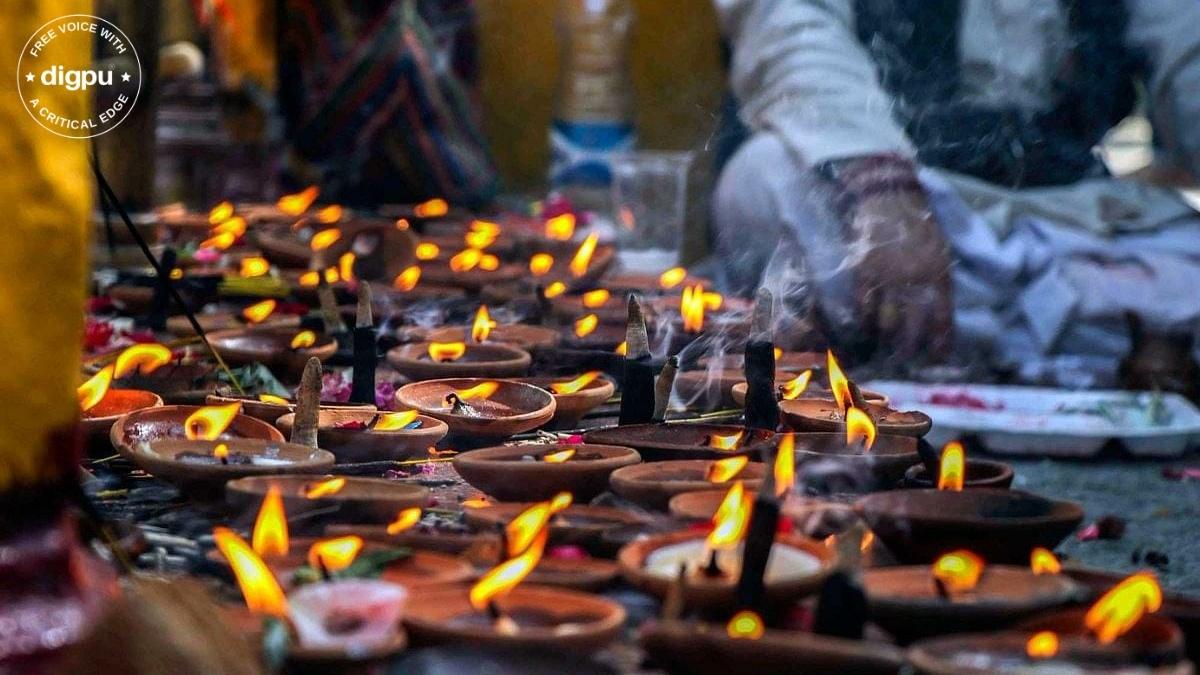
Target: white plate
{"x": 1055, "y": 422}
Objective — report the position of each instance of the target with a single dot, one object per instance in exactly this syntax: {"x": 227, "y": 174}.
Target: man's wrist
{"x": 862, "y": 178}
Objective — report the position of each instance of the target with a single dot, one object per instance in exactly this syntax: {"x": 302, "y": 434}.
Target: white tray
{"x": 1051, "y": 422}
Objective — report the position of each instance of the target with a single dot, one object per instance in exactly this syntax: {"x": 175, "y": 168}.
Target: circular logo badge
{"x": 50, "y": 69}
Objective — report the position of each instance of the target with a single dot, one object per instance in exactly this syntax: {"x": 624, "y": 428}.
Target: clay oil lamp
{"x": 100, "y": 404}
{"x": 1121, "y": 632}
{"x": 497, "y": 611}
{"x": 576, "y": 266}
{"x": 471, "y": 269}
{"x": 436, "y": 531}
{"x": 707, "y": 569}
{"x": 654, "y": 484}
{"x": 283, "y": 350}
{"x": 268, "y": 407}
{"x": 485, "y": 329}
{"x": 574, "y": 397}
{"x": 957, "y": 472}
{"x": 577, "y": 524}
{"x": 960, "y": 592}
{"x": 535, "y": 472}
{"x": 262, "y": 314}
{"x": 587, "y": 331}
{"x": 672, "y": 280}
{"x": 866, "y": 460}
{"x": 814, "y": 414}
{"x": 1000, "y": 525}
{"x": 344, "y": 498}
{"x": 429, "y": 214}
{"x": 369, "y": 436}
{"x": 697, "y": 312}
{"x": 658, "y": 442}
{"x": 477, "y": 407}
{"x": 714, "y": 389}
{"x": 202, "y": 450}
{"x": 437, "y": 360}
{"x": 608, "y": 308}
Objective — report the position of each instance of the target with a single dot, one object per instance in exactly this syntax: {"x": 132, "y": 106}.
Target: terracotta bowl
{"x": 166, "y": 422}
{"x": 580, "y": 574}
{"x": 502, "y": 473}
{"x": 173, "y": 382}
{"x": 98, "y": 421}
{"x": 1002, "y": 526}
{"x": 605, "y": 338}
{"x": 881, "y": 467}
{"x": 270, "y": 347}
{"x": 652, "y": 485}
{"x": 450, "y": 543}
{"x": 980, "y": 473}
{"x": 658, "y": 442}
{"x": 444, "y": 615}
{"x": 706, "y": 649}
{"x": 368, "y": 445}
{"x": 904, "y": 601}
{"x": 719, "y": 592}
{"x": 819, "y": 414}
{"x": 701, "y": 505}
{"x": 159, "y": 458}
{"x": 368, "y": 500}
{"x": 570, "y": 408}
{"x": 568, "y": 308}
{"x": 480, "y": 360}
{"x": 527, "y": 337}
{"x": 624, "y": 282}
{"x": 739, "y": 393}
{"x": 302, "y": 660}
{"x": 524, "y": 407}
{"x": 578, "y": 524}
{"x": 269, "y": 412}
{"x": 714, "y": 389}
{"x": 211, "y": 322}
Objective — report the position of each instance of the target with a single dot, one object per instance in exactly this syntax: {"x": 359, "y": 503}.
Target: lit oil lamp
{"x": 956, "y": 472}
{"x": 480, "y": 407}
{"x": 433, "y": 360}
{"x": 525, "y": 473}
{"x": 652, "y": 485}
{"x": 273, "y": 347}
{"x": 470, "y": 268}
{"x": 713, "y": 389}
{"x": 367, "y": 436}
{"x": 671, "y": 280}
{"x": 100, "y": 404}
{"x": 356, "y": 499}
{"x": 658, "y": 442}
{"x": 484, "y": 328}
{"x": 574, "y": 397}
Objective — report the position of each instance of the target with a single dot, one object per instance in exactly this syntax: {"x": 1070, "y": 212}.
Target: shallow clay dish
{"x": 652, "y": 485}
{"x": 1002, "y": 526}
{"x": 513, "y": 408}
{"x": 368, "y": 500}
{"x": 272, "y": 348}
{"x": 206, "y": 480}
{"x": 369, "y": 445}
{"x": 980, "y": 473}
{"x": 739, "y": 393}
{"x": 658, "y": 442}
{"x": 152, "y": 424}
{"x": 820, "y": 414}
{"x": 527, "y": 337}
{"x": 714, "y": 389}
{"x": 701, "y": 505}
{"x": 98, "y": 421}
{"x": 451, "y": 543}
{"x": 570, "y": 408}
{"x": 444, "y": 615}
{"x": 502, "y": 473}
{"x": 577, "y": 524}
{"x": 879, "y": 468}
{"x": 269, "y": 412}
{"x": 480, "y": 360}
{"x": 439, "y": 272}
{"x": 179, "y": 326}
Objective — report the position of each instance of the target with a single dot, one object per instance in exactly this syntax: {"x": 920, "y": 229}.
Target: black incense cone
{"x": 760, "y": 537}
{"x": 929, "y": 457}
{"x": 762, "y": 410}
{"x": 366, "y": 353}
{"x": 637, "y": 393}
{"x": 841, "y": 607}
{"x": 157, "y": 320}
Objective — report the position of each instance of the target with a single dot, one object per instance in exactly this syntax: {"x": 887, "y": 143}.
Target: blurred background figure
{"x": 931, "y": 168}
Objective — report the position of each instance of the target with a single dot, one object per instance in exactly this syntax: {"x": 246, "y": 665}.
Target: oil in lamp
{"x": 818, "y": 414}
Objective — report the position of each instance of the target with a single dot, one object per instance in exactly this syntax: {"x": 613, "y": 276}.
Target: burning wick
{"x": 427, "y": 251}
{"x": 141, "y": 358}
{"x": 793, "y": 388}
{"x": 554, "y": 290}
{"x": 209, "y": 422}
{"x": 334, "y": 555}
{"x": 729, "y": 526}
{"x": 443, "y": 352}
{"x": 540, "y": 264}
{"x": 586, "y": 325}
{"x": 671, "y": 278}
{"x": 1043, "y": 645}
{"x": 325, "y": 488}
{"x": 724, "y": 441}
{"x": 1042, "y": 561}
{"x": 482, "y": 326}
{"x": 725, "y": 470}
{"x": 259, "y": 311}
{"x": 404, "y": 520}
{"x": 259, "y": 587}
{"x": 583, "y": 256}
{"x": 691, "y": 309}
{"x": 572, "y": 386}
{"x": 325, "y": 238}
{"x": 396, "y": 421}
{"x": 561, "y": 227}
{"x": 270, "y": 537}
{"x": 304, "y": 339}
{"x": 838, "y": 384}
{"x": 1119, "y": 610}
{"x": 221, "y": 452}
{"x": 330, "y": 214}
{"x": 273, "y": 399}
{"x": 745, "y": 625}
{"x": 434, "y": 208}
{"x": 220, "y": 213}
{"x": 254, "y": 267}
{"x": 953, "y": 467}
{"x": 785, "y": 465}
{"x": 90, "y": 393}
{"x": 596, "y": 298}
{"x": 407, "y": 280}
{"x": 559, "y": 457}
{"x": 297, "y": 203}
{"x": 859, "y": 428}
{"x": 956, "y": 572}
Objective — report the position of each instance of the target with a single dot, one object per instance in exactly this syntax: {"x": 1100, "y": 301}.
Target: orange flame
{"x": 310, "y": 279}
{"x": 273, "y": 399}
{"x": 1043, "y": 645}
{"x": 221, "y": 452}
{"x": 482, "y": 327}
{"x": 90, "y": 393}
{"x": 504, "y": 577}
{"x": 559, "y": 457}
{"x": 304, "y": 339}
{"x": 725, "y": 441}
{"x": 298, "y": 202}
{"x": 672, "y": 278}
{"x": 331, "y": 275}
{"x": 254, "y": 267}
{"x": 402, "y": 224}
{"x": 270, "y": 538}
{"x": 259, "y": 311}
{"x": 730, "y": 519}
{"x": 209, "y": 422}
{"x": 1123, "y": 606}
{"x": 583, "y": 256}
{"x": 434, "y": 208}
{"x": 958, "y": 570}
{"x": 572, "y": 386}
{"x": 346, "y": 266}
{"x": 793, "y": 388}
{"x": 838, "y": 384}
{"x": 447, "y": 351}
{"x": 555, "y": 289}
{"x": 405, "y": 520}
{"x": 745, "y": 625}
{"x": 785, "y": 464}
{"x": 540, "y": 264}
{"x": 143, "y": 358}
{"x": 712, "y": 301}
{"x": 476, "y": 503}
{"x": 324, "y": 239}
{"x": 778, "y": 353}
{"x": 522, "y": 530}
{"x": 1042, "y": 561}
{"x": 325, "y": 488}
{"x": 395, "y": 421}
{"x": 859, "y": 427}
{"x": 586, "y": 325}
{"x": 219, "y": 241}
{"x": 953, "y": 467}
{"x": 330, "y": 214}
{"x": 724, "y": 470}
{"x": 466, "y": 260}
{"x": 561, "y": 227}
{"x": 596, "y": 298}
{"x": 336, "y": 554}
{"x": 482, "y": 234}
{"x": 481, "y": 391}
{"x": 489, "y": 262}
{"x": 691, "y": 308}
{"x": 622, "y": 349}
{"x": 235, "y": 226}
{"x": 220, "y": 213}
{"x": 485, "y": 226}
{"x": 259, "y": 587}
{"x": 176, "y": 273}
{"x": 427, "y": 251}
{"x": 407, "y": 280}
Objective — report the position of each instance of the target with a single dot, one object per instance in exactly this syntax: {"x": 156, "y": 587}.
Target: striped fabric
{"x": 374, "y": 111}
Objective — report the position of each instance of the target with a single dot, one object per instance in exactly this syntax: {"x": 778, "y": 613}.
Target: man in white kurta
{"x": 1034, "y": 271}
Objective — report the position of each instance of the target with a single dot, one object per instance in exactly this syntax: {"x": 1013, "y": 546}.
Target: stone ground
{"x": 1161, "y": 514}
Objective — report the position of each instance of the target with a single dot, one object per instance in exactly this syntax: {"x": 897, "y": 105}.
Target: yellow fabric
{"x": 245, "y": 43}
{"x": 45, "y": 194}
